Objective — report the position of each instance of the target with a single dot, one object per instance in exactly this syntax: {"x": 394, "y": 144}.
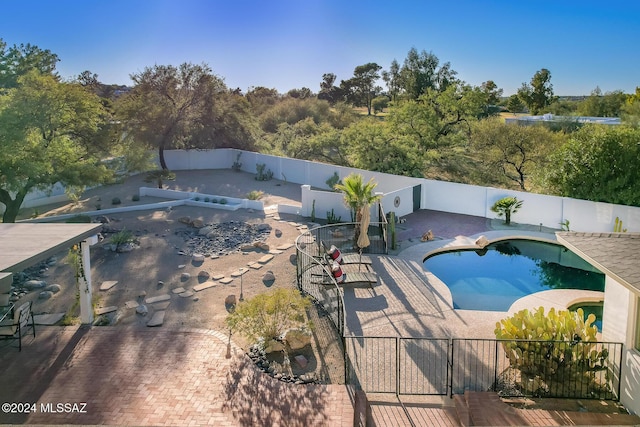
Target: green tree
{"x": 361, "y": 86}
{"x": 379, "y": 103}
{"x": 598, "y": 163}
{"x": 515, "y": 104}
{"x": 167, "y": 103}
{"x": 630, "y": 111}
{"x": 492, "y": 92}
{"x": 420, "y": 72}
{"x": 392, "y": 79}
{"x": 602, "y": 105}
{"x": 328, "y": 91}
{"x": 18, "y": 60}
{"x": 49, "y": 132}
{"x": 539, "y": 94}
{"x": 514, "y": 150}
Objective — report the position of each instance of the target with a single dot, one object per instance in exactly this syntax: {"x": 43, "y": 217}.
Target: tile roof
{"x": 615, "y": 254}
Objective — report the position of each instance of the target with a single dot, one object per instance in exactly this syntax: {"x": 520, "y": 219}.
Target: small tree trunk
{"x": 12, "y": 206}
{"x": 507, "y": 217}
{"x": 163, "y": 163}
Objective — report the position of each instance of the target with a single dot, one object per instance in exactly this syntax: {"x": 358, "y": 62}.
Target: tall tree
{"x": 631, "y": 109}
{"x": 420, "y": 73}
{"x": 492, "y": 92}
{"x": 538, "y": 94}
{"x": 598, "y": 163}
{"x": 328, "y": 91}
{"x": 602, "y": 105}
{"x": 167, "y": 102}
{"x": 514, "y": 150}
{"x": 515, "y": 104}
{"x": 392, "y": 79}
{"x": 49, "y": 132}
{"x": 363, "y": 84}
{"x": 18, "y": 60}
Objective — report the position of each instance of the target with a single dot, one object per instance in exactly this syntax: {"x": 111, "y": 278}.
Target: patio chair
{"x": 17, "y": 328}
{"x": 354, "y": 279}
{"x": 336, "y": 255}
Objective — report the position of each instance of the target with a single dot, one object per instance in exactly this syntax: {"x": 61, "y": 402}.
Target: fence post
{"x": 450, "y": 351}
{"x": 495, "y": 367}
{"x": 621, "y": 347}
{"x": 397, "y": 366}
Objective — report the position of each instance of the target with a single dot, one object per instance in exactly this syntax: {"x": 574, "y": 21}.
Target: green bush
{"x": 223, "y": 201}
{"x": 116, "y": 201}
{"x": 269, "y": 314}
{"x": 505, "y": 207}
{"x": 206, "y": 200}
{"x": 135, "y": 198}
{"x": 255, "y": 195}
{"x": 214, "y": 200}
{"x": 122, "y": 237}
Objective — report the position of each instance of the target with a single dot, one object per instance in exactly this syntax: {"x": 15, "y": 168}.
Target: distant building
{"x": 550, "y": 118}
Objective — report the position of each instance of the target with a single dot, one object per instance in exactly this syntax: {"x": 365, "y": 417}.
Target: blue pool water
{"x": 494, "y": 278}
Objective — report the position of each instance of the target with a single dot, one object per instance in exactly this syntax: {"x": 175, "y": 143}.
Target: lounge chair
{"x": 342, "y": 278}
{"x": 344, "y": 258}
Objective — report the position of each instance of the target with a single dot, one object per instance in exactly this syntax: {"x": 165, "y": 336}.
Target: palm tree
{"x": 358, "y": 196}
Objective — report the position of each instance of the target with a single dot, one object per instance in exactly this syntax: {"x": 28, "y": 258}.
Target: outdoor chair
{"x": 354, "y": 279}
{"x": 18, "y": 326}
{"x": 336, "y": 255}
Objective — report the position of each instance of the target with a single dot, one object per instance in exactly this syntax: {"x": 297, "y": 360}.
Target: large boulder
{"x": 296, "y": 338}
{"x": 273, "y": 346}
{"x": 34, "y": 284}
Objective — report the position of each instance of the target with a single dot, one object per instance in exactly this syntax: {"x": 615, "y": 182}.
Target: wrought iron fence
{"x": 441, "y": 366}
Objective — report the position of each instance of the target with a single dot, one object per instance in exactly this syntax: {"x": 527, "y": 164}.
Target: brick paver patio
{"x": 129, "y": 376}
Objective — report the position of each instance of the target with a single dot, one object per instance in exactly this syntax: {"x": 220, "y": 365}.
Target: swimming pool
{"x": 495, "y": 277}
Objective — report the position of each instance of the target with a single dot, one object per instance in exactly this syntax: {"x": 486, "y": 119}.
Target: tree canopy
{"x": 539, "y": 94}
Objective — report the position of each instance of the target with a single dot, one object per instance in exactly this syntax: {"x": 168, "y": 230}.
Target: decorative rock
{"x": 262, "y": 246}
{"x": 203, "y": 286}
{"x": 105, "y": 310}
{"x": 142, "y": 310}
{"x": 157, "y": 319}
{"x": 293, "y": 258}
{"x": 185, "y": 276}
{"x": 186, "y": 294}
{"x": 481, "y": 241}
{"x": 55, "y": 288}
{"x": 143, "y": 294}
{"x": 160, "y": 284}
{"x": 203, "y": 274}
{"x": 34, "y": 284}
{"x": 278, "y": 233}
{"x": 181, "y": 266}
{"x": 185, "y": 220}
{"x": 159, "y": 298}
{"x": 204, "y": 231}
{"x": 45, "y": 295}
{"x": 263, "y": 227}
{"x": 268, "y": 277}
{"x": 102, "y": 219}
{"x": 302, "y": 361}
{"x": 105, "y": 286}
{"x": 230, "y": 300}
{"x": 178, "y": 290}
{"x": 197, "y": 223}
{"x": 297, "y": 339}
{"x": 197, "y": 258}
{"x": 272, "y": 346}
{"x": 126, "y": 247}
{"x": 131, "y": 304}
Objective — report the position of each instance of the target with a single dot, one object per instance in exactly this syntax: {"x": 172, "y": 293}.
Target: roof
{"x": 23, "y": 245}
{"x": 615, "y": 254}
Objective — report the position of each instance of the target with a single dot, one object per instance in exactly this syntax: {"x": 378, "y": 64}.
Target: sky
{"x": 287, "y": 44}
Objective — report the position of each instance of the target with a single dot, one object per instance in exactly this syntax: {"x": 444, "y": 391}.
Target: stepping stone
{"x": 255, "y": 265}
{"x": 161, "y": 305}
{"x": 47, "y": 319}
{"x": 131, "y": 304}
{"x": 265, "y": 259}
{"x": 105, "y": 310}
{"x": 157, "y": 319}
{"x": 284, "y": 247}
{"x": 159, "y": 298}
{"x": 226, "y": 280}
{"x": 275, "y": 252}
{"x": 178, "y": 290}
{"x": 105, "y": 286}
{"x": 203, "y": 286}
{"x": 240, "y": 272}
{"x": 197, "y": 258}
{"x": 217, "y": 276}
{"x": 186, "y": 294}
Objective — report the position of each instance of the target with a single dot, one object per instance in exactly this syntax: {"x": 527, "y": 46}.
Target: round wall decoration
{"x": 396, "y": 201}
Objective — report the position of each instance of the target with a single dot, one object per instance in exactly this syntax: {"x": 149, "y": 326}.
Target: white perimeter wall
{"x": 537, "y": 209}
{"x": 618, "y": 320}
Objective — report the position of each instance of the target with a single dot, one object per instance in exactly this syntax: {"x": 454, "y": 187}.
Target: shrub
{"x": 223, "y": 201}
{"x": 135, "y": 198}
{"x": 255, "y": 195}
{"x": 333, "y": 181}
{"x": 159, "y": 176}
{"x": 554, "y": 350}
{"x": 206, "y": 200}
{"x": 197, "y": 199}
{"x": 214, "y": 200}
{"x": 261, "y": 174}
{"x": 270, "y": 314}
{"x": 122, "y": 237}
{"x": 506, "y": 207}
{"x": 116, "y": 201}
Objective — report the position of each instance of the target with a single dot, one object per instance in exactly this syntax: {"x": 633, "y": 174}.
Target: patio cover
{"x": 615, "y": 254}
{"x": 24, "y": 245}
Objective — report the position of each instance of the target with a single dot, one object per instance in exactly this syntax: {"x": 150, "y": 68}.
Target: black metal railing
{"x": 441, "y": 366}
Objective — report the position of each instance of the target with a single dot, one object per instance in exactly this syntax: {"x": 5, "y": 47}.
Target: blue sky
{"x": 287, "y": 44}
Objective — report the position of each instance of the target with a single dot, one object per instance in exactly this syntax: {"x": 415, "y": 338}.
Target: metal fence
{"x": 441, "y": 366}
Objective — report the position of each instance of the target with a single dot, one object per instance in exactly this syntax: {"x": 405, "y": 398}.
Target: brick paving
{"x": 129, "y": 376}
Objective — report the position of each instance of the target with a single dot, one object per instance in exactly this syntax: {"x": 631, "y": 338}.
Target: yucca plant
{"x": 506, "y": 207}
